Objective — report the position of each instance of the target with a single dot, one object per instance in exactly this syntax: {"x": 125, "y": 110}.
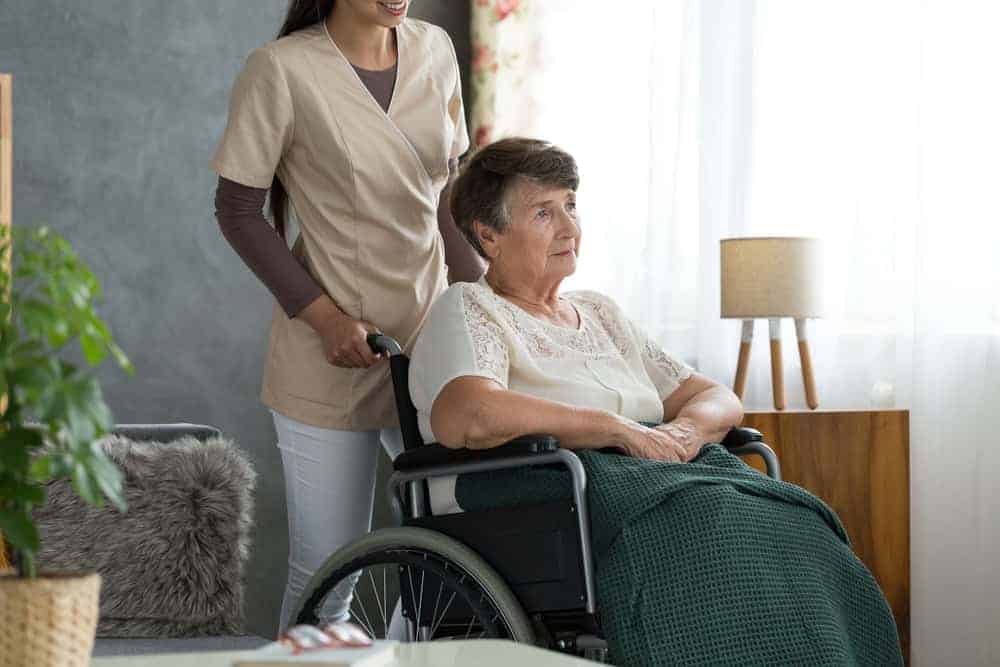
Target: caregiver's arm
{"x": 239, "y": 210}
{"x": 478, "y": 413}
{"x": 698, "y": 412}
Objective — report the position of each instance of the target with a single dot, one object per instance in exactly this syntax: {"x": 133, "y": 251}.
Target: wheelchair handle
{"x": 380, "y": 343}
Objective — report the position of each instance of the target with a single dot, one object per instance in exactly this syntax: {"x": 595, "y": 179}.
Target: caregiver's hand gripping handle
{"x": 344, "y": 337}
{"x": 383, "y": 345}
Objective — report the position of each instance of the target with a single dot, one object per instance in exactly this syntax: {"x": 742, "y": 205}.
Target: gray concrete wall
{"x": 118, "y": 105}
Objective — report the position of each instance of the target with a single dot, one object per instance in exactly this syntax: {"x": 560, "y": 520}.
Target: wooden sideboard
{"x": 858, "y": 462}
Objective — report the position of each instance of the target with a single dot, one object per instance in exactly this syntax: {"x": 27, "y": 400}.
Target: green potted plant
{"x": 52, "y": 414}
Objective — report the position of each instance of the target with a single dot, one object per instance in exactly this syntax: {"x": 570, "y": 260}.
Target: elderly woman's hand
{"x": 649, "y": 443}
{"x": 684, "y": 432}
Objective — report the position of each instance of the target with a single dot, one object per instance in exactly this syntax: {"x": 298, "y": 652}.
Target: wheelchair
{"x": 522, "y": 573}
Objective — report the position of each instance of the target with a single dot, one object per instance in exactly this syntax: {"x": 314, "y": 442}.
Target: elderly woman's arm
{"x": 479, "y": 413}
{"x": 700, "y": 411}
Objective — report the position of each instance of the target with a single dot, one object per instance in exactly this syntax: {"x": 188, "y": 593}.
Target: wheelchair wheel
{"x": 443, "y": 589}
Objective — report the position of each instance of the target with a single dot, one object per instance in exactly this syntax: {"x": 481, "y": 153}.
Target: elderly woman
{"x": 688, "y": 540}
{"x": 533, "y": 360}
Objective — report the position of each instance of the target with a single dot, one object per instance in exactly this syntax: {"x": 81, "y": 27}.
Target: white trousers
{"x": 329, "y": 489}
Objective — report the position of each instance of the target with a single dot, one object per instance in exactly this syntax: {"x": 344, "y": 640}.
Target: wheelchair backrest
{"x": 399, "y": 369}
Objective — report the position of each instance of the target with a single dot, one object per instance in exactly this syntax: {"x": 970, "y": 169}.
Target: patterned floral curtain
{"x": 504, "y": 52}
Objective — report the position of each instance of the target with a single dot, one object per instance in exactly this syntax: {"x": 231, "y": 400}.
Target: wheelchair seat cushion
{"x": 710, "y": 562}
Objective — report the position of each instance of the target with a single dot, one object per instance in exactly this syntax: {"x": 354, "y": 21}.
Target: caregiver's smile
{"x": 396, "y": 9}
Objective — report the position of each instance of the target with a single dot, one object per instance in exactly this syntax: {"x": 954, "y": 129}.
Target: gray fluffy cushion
{"x": 172, "y": 566}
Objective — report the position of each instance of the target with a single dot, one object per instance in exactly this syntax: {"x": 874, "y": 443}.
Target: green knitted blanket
{"x": 712, "y": 563}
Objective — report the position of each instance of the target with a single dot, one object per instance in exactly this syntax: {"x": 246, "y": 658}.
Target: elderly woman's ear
{"x": 489, "y": 239}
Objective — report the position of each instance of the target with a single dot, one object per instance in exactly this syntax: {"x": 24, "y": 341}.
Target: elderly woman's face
{"x": 542, "y": 241}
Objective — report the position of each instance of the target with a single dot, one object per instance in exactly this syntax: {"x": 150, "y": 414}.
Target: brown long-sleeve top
{"x": 239, "y": 210}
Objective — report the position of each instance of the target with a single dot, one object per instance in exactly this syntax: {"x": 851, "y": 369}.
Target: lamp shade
{"x": 772, "y": 277}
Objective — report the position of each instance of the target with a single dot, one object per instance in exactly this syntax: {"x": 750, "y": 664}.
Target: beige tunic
{"x": 364, "y": 184}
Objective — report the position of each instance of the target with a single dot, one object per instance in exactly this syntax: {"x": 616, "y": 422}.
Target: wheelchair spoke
{"x": 495, "y": 618}
{"x": 461, "y": 608}
{"x": 385, "y": 603}
{"x": 437, "y": 601}
{"x": 364, "y": 624}
{"x": 368, "y": 624}
{"x": 445, "y": 611}
{"x": 413, "y": 596}
{"x": 469, "y": 629}
{"x": 378, "y": 602}
{"x": 420, "y": 602}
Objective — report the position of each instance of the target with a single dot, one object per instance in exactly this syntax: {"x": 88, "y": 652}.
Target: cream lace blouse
{"x": 607, "y": 363}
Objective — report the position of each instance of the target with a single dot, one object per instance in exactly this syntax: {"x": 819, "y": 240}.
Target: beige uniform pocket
{"x": 298, "y": 366}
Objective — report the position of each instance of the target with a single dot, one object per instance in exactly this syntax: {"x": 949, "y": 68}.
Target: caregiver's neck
{"x": 365, "y": 44}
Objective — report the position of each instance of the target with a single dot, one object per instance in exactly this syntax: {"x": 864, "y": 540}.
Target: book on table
{"x": 379, "y": 654}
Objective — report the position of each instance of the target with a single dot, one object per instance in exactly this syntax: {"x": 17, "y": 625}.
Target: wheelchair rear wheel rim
{"x": 389, "y": 575}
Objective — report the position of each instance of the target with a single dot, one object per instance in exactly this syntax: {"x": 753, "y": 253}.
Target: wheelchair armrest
{"x": 741, "y": 435}
{"x": 742, "y": 440}
{"x": 438, "y": 455}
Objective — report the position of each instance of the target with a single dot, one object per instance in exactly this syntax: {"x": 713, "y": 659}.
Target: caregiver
{"x": 354, "y": 117}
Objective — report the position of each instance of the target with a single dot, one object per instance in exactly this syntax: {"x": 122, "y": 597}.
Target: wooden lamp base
{"x": 777, "y": 369}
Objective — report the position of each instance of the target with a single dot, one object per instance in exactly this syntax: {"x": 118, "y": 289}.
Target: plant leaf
{"x": 22, "y": 492}
{"x": 123, "y": 361}
{"x": 40, "y": 469}
{"x": 15, "y": 449}
{"x": 84, "y": 485}
{"x": 13, "y": 458}
{"x": 94, "y": 348}
{"x": 109, "y": 477}
{"x": 19, "y": 529}
{"x": 52, "y": 293}
{"x": 78, "y": 422}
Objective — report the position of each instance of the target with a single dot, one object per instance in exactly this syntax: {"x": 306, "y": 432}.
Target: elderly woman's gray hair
{"x": 481, "y": 190}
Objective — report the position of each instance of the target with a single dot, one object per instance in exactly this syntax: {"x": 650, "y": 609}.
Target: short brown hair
{"x": 480, "y": 191}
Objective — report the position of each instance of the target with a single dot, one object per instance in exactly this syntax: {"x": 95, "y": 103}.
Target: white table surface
{"x": 479, "y": 652}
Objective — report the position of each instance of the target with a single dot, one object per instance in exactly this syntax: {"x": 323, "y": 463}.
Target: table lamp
{"x": 772, "y": 278}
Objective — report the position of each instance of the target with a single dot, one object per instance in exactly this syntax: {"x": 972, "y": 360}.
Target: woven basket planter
{"x": 49, "y": 621}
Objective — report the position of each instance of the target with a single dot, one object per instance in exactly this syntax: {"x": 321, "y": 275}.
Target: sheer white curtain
{"x": 872, "y": 124}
